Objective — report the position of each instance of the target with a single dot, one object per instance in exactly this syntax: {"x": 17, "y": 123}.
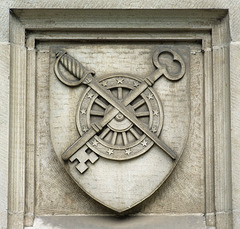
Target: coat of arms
{"x": 110, "y": 138}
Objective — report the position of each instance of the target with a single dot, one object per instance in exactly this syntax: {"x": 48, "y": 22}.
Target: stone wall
{"x": 12, "y": 125}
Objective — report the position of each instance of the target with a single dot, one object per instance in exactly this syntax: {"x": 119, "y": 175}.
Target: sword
{"x": 86, "y": 77}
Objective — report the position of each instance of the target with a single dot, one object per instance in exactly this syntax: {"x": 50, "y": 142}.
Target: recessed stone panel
{"x": 163, "y": 152}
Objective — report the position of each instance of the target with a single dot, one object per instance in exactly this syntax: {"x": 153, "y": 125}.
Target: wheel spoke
{"x": 138, "y": 104}
{"x": 104, "y": 133}
{"x": 114, "y": 138}
{"x": 124, "y": 136}
{"x": 120, "y": 93}
{"x": 135, "y": 133}
{"x": 100, "y": 103}
{"x": 97, "y": 113}
{"x": 142, "y": 114}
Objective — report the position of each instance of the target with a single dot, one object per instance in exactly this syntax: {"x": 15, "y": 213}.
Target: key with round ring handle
{"x": 86, "y": 77}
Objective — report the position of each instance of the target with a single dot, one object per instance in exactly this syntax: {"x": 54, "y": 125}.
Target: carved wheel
{"x": 120, "y": 139}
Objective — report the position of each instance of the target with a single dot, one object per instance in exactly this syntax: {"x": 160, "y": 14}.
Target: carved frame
{"x": 209, "y": 26}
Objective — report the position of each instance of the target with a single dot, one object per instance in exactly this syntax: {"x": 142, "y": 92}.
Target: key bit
{"x": 82, "y": 157}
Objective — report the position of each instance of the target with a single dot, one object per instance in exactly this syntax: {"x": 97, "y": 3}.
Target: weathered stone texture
{"x": 233, "y": 6}
{"x": 56, "y": 172}
{"x": 235, "y": 126}
{"x": 53, "y": 181}
{"x": 4, "y": 132}
{"x": 139, "y": 222}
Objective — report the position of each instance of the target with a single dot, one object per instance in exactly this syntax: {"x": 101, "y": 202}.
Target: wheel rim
{"x": 120, "y": 139}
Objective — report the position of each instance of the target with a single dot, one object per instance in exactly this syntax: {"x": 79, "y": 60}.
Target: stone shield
{"x": 129, "y": 157}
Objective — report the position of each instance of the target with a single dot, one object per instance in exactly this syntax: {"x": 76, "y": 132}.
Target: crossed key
{"x": 84, "y": 76}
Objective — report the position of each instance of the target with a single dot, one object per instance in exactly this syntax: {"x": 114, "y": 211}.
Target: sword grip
{"x": 74, "y": 67}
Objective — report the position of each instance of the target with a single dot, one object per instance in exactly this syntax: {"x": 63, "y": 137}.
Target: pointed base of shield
{"x": 120, "y": 185}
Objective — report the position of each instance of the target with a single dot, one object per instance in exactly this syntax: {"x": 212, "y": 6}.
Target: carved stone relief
{"x": 191, "y": 116}
{"x": 119, "y": 157}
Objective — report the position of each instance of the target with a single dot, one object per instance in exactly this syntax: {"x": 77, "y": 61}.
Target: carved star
{"x": 104, "y": 83}
{"x": 85, "y": 129}
{"x": 135, "y": 84}
{"x": 154, "y": 129}
{"x": 120, "y": 81}
{"x": 155, "y": 113}
{"x": 110, "y": 151}
{"x": 150, "y": 96}
{"x": 83, "y": 111}
{"x": 94, "y": 142}
{"x": 90, "y": 95}
{"x": 128, "y": 151}
{"x": 144, "y": 143}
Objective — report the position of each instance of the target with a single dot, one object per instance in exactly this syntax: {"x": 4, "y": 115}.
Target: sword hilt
{"x": 82, "y": 74}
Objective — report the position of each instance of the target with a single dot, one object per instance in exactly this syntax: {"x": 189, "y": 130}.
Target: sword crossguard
{"x": 73, "y": 66}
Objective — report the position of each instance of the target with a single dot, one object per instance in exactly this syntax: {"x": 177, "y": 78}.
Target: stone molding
{"x": 27, "y": 27}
